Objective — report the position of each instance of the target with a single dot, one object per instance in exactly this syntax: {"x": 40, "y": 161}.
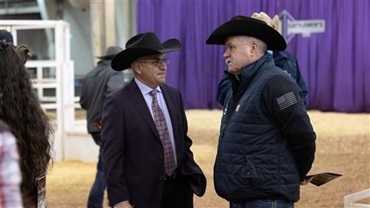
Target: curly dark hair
{"x": 21, "y": 110}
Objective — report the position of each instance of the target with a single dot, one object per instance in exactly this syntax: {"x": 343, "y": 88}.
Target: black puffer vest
{"x": 253, "y": 159}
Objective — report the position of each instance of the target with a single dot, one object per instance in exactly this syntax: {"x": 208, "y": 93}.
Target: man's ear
{"x": 136, "y": 67}
{"x": 254, "y": 47}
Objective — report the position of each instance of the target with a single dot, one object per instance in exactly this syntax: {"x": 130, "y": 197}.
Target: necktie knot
{"x": 154, "y": 93}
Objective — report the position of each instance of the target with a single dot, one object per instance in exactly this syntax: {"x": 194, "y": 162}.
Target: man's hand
{"x": 306, "y": 181}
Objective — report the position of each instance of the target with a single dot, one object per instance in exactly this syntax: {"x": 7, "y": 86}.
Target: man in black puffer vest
{"x": 267, "y": 143}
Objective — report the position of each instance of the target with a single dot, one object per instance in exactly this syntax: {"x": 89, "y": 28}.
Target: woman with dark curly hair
{"x": 21, "y": 110}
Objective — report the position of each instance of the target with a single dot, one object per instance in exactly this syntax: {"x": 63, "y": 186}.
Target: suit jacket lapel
{"x": 137, "y": 100}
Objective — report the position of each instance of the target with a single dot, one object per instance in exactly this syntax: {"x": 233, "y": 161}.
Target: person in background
{"x": 10, "y": 174}
{"x": 267, "y": 143}
{"x": 98, "y": 83}
{"x": 285, "y": 60}
{"x": 28, "y": 122}
{"x": 6, "y": 36}
{"x": 146, "y": 151}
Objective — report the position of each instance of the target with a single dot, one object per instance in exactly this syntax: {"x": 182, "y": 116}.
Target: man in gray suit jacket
{"x": 143, "y": 169}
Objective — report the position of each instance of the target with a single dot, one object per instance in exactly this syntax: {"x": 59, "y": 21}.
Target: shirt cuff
{"x": 123, "y": 202}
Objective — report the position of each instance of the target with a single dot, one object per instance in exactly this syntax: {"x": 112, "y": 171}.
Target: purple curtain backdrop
{"x": 335, "y": 64}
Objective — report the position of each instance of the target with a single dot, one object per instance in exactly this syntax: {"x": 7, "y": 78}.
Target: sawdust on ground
{"x": 343, "y": 146}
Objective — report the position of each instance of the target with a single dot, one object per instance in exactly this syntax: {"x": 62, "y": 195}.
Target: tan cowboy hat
{"x": 242, "y": 25}
{"x": 140, "y": 45}
{"x": 274, "y": 22}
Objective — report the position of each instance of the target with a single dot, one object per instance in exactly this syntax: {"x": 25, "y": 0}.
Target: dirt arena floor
{"x": 343, "y": 146}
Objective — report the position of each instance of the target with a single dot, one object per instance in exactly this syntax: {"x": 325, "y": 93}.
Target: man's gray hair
{"x": 262, "y": 47}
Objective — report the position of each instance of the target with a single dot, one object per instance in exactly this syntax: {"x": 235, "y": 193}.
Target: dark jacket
{"x": 288, "y": 62}
{"x": 266, "y": 144}
{"x": 133, "y": 152}
{"x": 284, "y": 60}
{"x": 98, "y": 83}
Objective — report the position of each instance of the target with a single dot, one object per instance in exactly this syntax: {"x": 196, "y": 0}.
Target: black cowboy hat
{"x": 242, "y": 25}
{"x": 110, "y": 53}
{"x": 142, "y": 45}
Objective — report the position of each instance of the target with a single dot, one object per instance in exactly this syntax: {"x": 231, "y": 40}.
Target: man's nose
{"x": 226, "y": 54}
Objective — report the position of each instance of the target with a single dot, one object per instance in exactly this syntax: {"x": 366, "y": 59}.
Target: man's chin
{"x": 162, "y": 80}
{"x": 232, "y": 70}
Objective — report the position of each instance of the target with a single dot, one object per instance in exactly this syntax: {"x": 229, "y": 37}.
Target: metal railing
{"x": 352, "y": 200}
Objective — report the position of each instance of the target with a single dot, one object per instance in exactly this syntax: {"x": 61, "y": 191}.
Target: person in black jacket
{"x": 98, "y": 83}
{"x": 285, "y": 60}
{"x": 267, "y": 143}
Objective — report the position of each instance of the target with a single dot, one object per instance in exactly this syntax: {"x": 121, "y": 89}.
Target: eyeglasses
{"x": 156, "y": 61}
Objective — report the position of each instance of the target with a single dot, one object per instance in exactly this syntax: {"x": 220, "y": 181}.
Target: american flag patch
{"x": 286, "y": 100}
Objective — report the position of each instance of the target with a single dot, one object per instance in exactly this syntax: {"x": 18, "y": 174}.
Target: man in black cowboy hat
{"x": 267, "y": 143}
{"x": 98, "y": 83}
{"x": 146, "y": 150}
{"x": 285, "y": 60}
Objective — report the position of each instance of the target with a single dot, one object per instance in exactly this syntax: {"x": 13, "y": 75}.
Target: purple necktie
{"x": 160, "y": 124}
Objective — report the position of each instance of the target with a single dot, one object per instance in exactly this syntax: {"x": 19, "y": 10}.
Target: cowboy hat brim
{"x": 110, "y": 52}
{"x": 248, "y": 27}
{"x": 105, "y": 57}
{"x": 124, "y": 59}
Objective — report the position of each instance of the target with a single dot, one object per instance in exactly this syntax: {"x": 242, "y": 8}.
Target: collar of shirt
{"x": 144, "y": 89}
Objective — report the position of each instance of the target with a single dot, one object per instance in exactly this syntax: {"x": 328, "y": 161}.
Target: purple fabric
{"x": 335, "y": 64}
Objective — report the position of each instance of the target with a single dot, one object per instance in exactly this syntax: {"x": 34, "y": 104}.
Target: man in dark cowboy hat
{"x": 285, "y": 60}
{"x": 97, "y": 84}
{"x": 267, "y": 143}
{"x": 146, "y": 150}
